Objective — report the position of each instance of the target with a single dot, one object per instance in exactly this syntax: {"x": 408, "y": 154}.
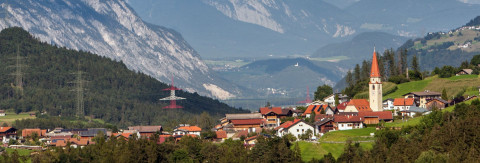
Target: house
{"x": 341, "y": 107}
{"x": 464, "y": 72}
{"x": 29, "y": 132}
{"x": 296, "y": 112}
{"x": 347, "y": 122}
{"x": 126, "y": 135}
{"x": 8, "y": 133}
{"x": 296, "y": 127}
{"x": 436, "y": 103}
{"x": 163, "y": 138}
{"x": 221, "y": 135}
{"x": 388, "y": 104}
{"x": 330, "y": 100}
{"x": 186, "y": 129}
{"x": 2, "y": 113}
{"x": 423, "y": 97}
{"x": 273, "y": 115}
{"x": 324, "y": 125}
{"x": 376, "y": 117}
{"x": 400, "y": 104}
{"x": 146, "y": 131}
{"x": 317, "y": 109}
{"x": 412, "y": 111}
{"x": 358, "y": 105}
{"x": 251, "y": 125}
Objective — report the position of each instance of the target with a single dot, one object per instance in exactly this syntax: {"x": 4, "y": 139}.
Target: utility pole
{"x": 18, "y": 71}
{"x": 79, "y": 92}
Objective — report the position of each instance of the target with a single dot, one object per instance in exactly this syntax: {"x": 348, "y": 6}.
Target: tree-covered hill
{"x": 113, "y": 93}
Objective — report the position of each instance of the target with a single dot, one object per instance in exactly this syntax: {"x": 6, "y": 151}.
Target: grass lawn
{"x": 11, "y": 116}
{"x": 317, "y": 150}
{"x": 409, "y": 122}
{"x": 355, "y": 135}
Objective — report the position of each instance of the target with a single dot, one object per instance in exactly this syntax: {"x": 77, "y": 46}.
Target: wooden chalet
{"x": 7, "y": 133}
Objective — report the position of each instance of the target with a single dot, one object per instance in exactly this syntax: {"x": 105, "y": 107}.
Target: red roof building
{"x": 376, "y": 117}
{"x": 404, "y": 102}
{"x": 187, "y": 130}
{"x": 341, "y": 107}
{"x": 375, "y": 71}
{"x": 30, "y": 132}
{"x": 7, "y": 133}
{"x": 358, "y": 105}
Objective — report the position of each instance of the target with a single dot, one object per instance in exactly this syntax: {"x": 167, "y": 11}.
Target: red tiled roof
{"x": 375, "y": 71}
{"x": 29, "y": 132}
{"x": 266, "y": 110}
{"x": 221, "y": 134}
{"x": 288, "y": 124}
{"x": 360, "y": 104}
{"x": 382, "y": 115}
{"x": 316, "y": 108}
{"x": 347, "y": 118}
{"x": 246, "y": 121}
{"x": 403, "y": 102}
{"x": 342, "y": 106}
{"x": 190, "y": 128}
{"x": 5, "y": 129}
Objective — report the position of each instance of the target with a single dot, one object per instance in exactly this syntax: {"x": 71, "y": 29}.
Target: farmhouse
{"x": 400, "y": 104}
{"x": 464, "y": 72}
{"x": 348, "y": 122}
{"x": 186, "y": 129}
{"x": 423, "y": 97}
{"x": 296, "y": 127}
{"x": 436, "y": 103}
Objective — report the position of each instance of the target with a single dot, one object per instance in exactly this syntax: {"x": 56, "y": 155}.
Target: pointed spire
{"x": 375, "y": 72}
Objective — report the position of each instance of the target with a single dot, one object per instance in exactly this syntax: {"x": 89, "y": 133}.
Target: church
{"x": 374, "y": 103}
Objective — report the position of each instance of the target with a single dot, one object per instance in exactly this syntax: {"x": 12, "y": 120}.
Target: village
{"x": 334, "y": 113}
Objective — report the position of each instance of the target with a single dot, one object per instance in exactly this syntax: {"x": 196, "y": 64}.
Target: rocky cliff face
{"x": 112, "y": 29}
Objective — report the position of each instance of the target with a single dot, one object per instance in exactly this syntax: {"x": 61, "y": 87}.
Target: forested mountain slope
{"x": 112, "y": 92}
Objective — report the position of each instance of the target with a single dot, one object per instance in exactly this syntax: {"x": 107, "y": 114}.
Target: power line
{"x": 18, "y": 71}
{"x": 79, "y": 92}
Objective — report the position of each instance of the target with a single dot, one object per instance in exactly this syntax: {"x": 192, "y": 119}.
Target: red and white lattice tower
{"x": 172, "y": 98}
{"x": 307, "y": 100}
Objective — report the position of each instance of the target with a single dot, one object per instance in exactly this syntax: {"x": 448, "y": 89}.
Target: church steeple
{"x": 375, "y": 71}
{"x": 375, "y": 85}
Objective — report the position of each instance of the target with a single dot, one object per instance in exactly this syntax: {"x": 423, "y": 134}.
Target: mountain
{"x": 411, "y": 17}
{"x": 252, "y": 28}
{"x": 452, "y": 47}
{"x": 286, "y": 77}
{"x": 360, "y": 47}
{"x": 111, "y": 28}
{"x": 112, "y": 92}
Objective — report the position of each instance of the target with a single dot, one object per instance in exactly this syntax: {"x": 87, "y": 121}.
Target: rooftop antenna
{"x": 172, "y": 98}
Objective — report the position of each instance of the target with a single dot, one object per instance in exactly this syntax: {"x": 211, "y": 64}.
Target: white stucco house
{"x": 296, "y": 127}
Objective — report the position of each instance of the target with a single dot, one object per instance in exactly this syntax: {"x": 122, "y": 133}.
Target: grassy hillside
{"x": 387, "y": 87}
{"x": 465, "y": 84}
{"x": 112, "y": 93}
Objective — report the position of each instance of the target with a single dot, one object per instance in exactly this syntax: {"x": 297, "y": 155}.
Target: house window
{"x": 302, "y": 130}
{"x": 373, "y": 87}
{"x": 298, "y": 130}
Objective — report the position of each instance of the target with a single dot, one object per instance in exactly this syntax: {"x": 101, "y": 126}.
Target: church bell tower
{"x": 375, "y": 86}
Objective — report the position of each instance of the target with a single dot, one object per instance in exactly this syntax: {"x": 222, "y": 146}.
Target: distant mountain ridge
{"x": 111, "y": 28}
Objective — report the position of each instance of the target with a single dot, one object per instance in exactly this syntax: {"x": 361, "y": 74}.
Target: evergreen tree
{"x": 357, "y": 74}
{"x": 415, "y": 67}
{"x": 337, "y": 101}
{"x": 349, "y": 78}
{"x": 444, "y": 94}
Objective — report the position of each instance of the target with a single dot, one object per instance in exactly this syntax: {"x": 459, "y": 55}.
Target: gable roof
{"x": 145, "y": 128}
{"x": 342, "y": 105}
{"x": 382, "y": 115}
{"x": 266, "y": 110}
{"x": 7, "y": 129}
{"x": 247, "y": 121}
{"x": 244, "y": 116}
{"x": 189, "y": 128}
{"x": 360, "y": 104}
{"x": 347, "y": 119}
{"x": 439, "y": 100}
{"x": 315, "y": 108}
{"x": 221, "y": 134}
{"x": 323, "y": 121}
{"x": 467, "y": 71}
{"x": 288, "y": 124}
{"x": 403, "y": 101}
